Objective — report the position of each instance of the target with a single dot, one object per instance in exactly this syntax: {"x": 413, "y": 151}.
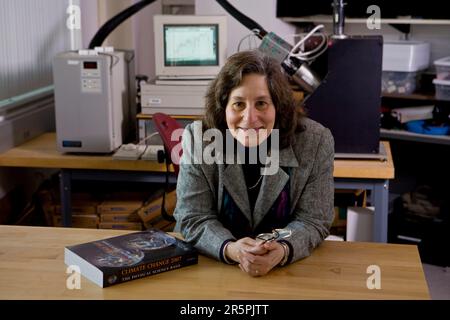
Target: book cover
{"x": 128, "y": 257}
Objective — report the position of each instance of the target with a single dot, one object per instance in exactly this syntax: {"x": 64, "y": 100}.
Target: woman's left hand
{"x": 259, "y": 265}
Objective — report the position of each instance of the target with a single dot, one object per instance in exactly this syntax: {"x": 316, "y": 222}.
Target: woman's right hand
{"x": 235, "y": 250}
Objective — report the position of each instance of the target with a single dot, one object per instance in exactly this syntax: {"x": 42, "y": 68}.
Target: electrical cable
{"x": 148, "y": 137}
{"x": 254, "y": 33}
{"x": 309, "y": 55}
{"x": 164, "y": 213}
{"x": 114, "y": 60}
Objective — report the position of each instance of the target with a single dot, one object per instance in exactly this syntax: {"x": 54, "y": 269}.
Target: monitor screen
{"x": 191, "y": 45}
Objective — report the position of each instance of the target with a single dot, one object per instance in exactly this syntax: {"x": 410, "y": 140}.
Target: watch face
{"x": 275, "y": 235}
{"x": 265, "y": 236}
{"x": 283, "y": 233}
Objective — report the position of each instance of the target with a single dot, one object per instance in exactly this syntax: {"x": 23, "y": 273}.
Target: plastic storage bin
{"x": 442, "y": 89}
{"x": 406, "y": 56}
{"x": 443, "y": 68}
{"x": 399, "y": 82}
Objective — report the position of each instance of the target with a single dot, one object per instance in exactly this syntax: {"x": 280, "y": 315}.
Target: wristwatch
{"x": 276, "y": 234}
{"x": 286, "y": 254}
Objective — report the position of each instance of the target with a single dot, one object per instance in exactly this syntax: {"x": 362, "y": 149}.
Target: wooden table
{"x": 41, "y": 152}
{"x": 32, "y": 267}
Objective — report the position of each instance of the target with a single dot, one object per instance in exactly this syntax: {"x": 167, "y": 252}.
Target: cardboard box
{"x": 47, "y": 202}
{"x": 121, "y": 225}
{"x": 152, "y": 210}
{"x": 78, "y": 209}
{"x": 166, "y": 226}
{"x": 82, "y": 204}
{"x": 120, "y": 217}
{"x": 79, "y": 221}
{"x": 129, "y": 195}
{"x": 160, "y": 223}
{"x": 119, "y": 206}
{"x": 49, "y": 212}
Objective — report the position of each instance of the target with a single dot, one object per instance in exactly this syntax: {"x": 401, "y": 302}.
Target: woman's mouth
{"x": 247, "y": 129}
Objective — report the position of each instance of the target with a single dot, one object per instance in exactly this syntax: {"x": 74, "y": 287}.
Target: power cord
{"x": 164, "y": 213}
{"x": 148, "y": 137}
{"x": 311, "y": 54}
{"x": 253, "y": 35}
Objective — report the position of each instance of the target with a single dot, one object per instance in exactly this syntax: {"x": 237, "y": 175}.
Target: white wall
{"x": 135, "y": 33}
{"x": 31, "y": 33}
{"x": 89, "y": 20}
{"x": 144, "y": 39}
{"x": 261, "y": 11}
{"x": 122, "y": 36}
{"x": 437, "y": 35}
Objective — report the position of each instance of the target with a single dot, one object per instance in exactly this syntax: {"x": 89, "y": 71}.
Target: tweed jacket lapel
{"x": 272, "y": 185}
{"x": 234, "y": 182}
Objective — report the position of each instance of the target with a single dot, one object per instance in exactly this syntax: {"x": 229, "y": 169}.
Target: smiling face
{"x": 250, "y": 113}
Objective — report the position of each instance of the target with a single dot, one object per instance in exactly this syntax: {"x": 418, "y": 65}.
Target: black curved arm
{"x": 242, "y": 18}
{"x": 115, "y": 21}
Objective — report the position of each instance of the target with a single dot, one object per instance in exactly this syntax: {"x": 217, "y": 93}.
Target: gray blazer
{"x": 200, "y": 191}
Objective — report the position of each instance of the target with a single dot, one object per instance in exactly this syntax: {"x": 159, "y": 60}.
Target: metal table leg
{"x": 381, "y": 203}
{"x": 380, "y": 196}
{"x": 65, "y": 185}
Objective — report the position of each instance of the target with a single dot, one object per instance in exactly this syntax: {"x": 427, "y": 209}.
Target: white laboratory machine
{"x": 94, "y": 100}
{"x": 173, "y": 99}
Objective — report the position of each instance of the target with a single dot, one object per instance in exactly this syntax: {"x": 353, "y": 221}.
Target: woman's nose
{"x": 250, "y": 114}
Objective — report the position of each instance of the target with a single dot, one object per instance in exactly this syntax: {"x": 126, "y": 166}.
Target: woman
{"x": 222, "y": 207}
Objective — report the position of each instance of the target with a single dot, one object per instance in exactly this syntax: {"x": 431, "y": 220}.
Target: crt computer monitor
{"x": 190, "y": 47}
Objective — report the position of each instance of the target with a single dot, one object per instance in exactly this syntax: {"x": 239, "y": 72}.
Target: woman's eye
{"x": 239, "y": 105}
{"x": 261, "y": 104}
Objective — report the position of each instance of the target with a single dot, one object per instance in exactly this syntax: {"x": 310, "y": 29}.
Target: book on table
{"x": 128, "y": 257}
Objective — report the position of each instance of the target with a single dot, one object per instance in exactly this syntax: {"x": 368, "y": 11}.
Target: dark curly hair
{"x": 288, "y": 114}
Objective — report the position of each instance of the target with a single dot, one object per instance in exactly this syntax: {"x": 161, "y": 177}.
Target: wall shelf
{"x": 413, "y": 96}
{"x": 411, "y": 136}
{"x": 328, "y": 19}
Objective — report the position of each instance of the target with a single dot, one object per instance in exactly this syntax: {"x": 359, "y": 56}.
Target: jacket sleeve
{"x": 314, "y": 211}
{"x": 196, "y": 210}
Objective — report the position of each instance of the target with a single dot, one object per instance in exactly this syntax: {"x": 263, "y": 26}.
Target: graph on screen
{"x": 190, "y": 45}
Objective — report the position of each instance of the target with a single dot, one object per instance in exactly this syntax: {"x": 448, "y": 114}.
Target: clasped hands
{"x": 256, "y": 257}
